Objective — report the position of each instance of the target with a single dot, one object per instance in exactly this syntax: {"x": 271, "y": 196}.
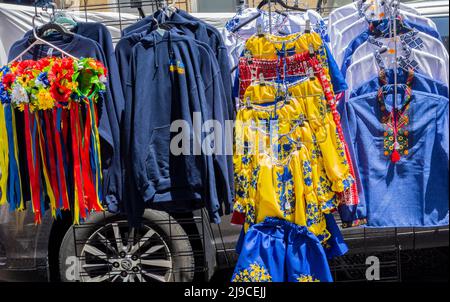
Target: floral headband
{"x": 51, "y": 82}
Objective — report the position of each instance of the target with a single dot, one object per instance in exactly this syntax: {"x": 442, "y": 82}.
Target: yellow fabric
{"x": 307, "y": 99}
{"x": 267, "y": 46}
{"x": 280, "y": 188}
{"x": 294, "y": 174}
{"x": 4, "y": 157}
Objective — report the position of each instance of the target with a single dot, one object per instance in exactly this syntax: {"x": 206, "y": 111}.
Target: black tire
{"x": 175, "y": 250}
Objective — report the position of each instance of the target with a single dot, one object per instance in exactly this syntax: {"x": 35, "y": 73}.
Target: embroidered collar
{"x": 410, "y": 39}
{"x": 406, "y": 61}
{"x": 396, "y": 121}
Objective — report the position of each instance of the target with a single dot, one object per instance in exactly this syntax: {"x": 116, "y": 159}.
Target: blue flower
{"x": 308, "y": 181}
{"x": 4, "y": 95}
{"x": 5, "y": 69}
{"x": 245, "y": 160}
{"x": 42, "y": 79}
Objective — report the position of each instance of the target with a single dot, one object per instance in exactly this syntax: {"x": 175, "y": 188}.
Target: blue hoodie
{"x": 156, "y": 86}
{"x": 215, "y": 100}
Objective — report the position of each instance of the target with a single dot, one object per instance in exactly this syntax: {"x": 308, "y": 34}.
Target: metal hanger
{"x": 52, "y": 25}
{"x": 169, "y": 8}
{"x": 138, "y": 5}
{"x": 282, "y": 4}
{"x": 40, "y": 41}
{"x": 250, "y": 20}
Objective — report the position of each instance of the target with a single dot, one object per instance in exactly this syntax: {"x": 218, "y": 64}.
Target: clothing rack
{"x": 344, "y": 268}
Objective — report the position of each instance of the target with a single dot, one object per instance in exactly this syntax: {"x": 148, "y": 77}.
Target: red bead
{"x": 395, "y": 157}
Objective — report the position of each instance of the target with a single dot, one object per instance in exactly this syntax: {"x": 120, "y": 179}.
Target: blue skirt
{"x": 280, "y": 251}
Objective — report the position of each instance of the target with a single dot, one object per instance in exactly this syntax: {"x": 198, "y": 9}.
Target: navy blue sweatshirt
{"x": 216, "y": 106}
{"x": 109, "y": 128}
{"x": 155, "y": 86}
{"x": 201, "y": 31}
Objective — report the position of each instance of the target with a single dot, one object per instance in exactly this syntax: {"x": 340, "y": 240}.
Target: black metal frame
{"x": 386, "y": 244}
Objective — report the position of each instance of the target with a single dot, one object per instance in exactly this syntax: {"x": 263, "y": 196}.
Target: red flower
{"x": 60, "y": 93}
{"x": 8, "y": 80}
{"x": 42, "y": 63}
{"x": 26, "y": 68}
{"x": 61, "y": 70}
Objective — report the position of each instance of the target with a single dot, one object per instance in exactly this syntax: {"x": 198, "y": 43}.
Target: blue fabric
{"x": 414, "y": 191}
{"x": 350, "y": 214}
{"x": 201, "y": 31}
{"x": 382, "y": 26}
{"x": 133, "y": 27}
{"x": 124, "y": 49}
{"x": 161, "y": 178}
{"x": 279, "y": 251}
{"x": 337, "y": 78}
{"x": 425, "y": 29}
{"x": 109, "y": 125}
{"x": 420, "y": 83}
{"x": 335, "y": 246}
{"x": 215, "y": 100}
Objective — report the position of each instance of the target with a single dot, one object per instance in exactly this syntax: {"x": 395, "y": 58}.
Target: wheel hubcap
{"x": 111, "y": 254}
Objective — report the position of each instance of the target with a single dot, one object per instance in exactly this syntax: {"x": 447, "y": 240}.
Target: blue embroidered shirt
{"x": 412, "y": 192}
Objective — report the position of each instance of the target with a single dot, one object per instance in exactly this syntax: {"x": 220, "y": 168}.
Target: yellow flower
{"x": 45, "y": 100}
{"x": 72, "y": 85}
{"x": 23, "y": 80}
{"x": 306, "y": 278}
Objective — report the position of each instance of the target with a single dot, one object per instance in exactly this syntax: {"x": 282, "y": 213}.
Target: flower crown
{"x": 51, "y": 82}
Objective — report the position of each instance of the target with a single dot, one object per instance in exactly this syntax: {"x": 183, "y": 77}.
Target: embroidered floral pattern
{"x": 307, "y": 278}
{"x": 255, "y": 273}
{"x": 307, "y": 173}
{"x": 396, "y": 134}
{"x": 242, "y": 183}
{"x": 313, "y": 215}
{"x": 285, "y": 192}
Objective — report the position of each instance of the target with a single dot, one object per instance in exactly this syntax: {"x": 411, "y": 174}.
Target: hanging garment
{"x": 351, "y": 32}
{"x": 199, "y": 30}
{"x": 109, "y": 128}
{"x": 262, "y": 179}
{"x": 215, "y": 101}
{"x": 291, "y": 50}
{"x": 351, "y": 20}
{"x": 168, "y": 68}
{"x": 414, "y": 39}
{"x": 279, "y": 251}
{"x": 420, "y": 83}
{"x": 44, "y": 101}
{"x": 356, "y": 6}
{"x": 271, "y": 47}
{"x": 401, "y": 157}
{"x": 368, "y": 67}
{"x": 235, "y": 36}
